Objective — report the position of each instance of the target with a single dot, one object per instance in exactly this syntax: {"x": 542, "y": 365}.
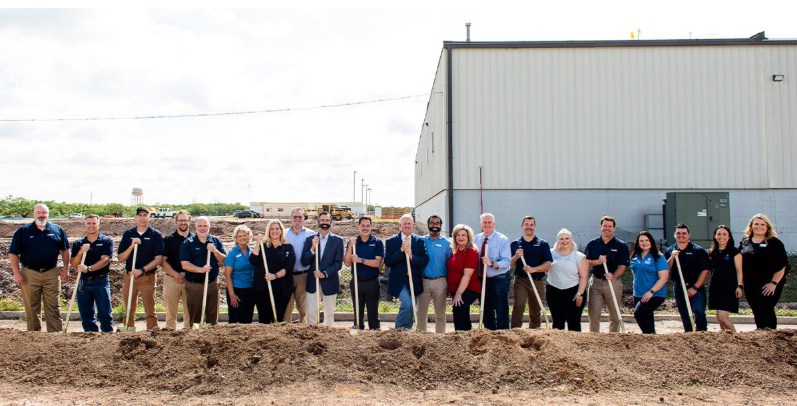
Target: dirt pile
{"x": 237, "y": 360}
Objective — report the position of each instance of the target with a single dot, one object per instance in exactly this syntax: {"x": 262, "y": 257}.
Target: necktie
{"x": 484, "y": 243}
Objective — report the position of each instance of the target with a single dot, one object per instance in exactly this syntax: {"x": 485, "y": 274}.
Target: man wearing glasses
{"x": 174, "y": 281}
{"x": 296, "y": 235}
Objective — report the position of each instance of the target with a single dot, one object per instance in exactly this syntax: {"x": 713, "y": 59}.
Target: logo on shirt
{"x": 237, "y": 256}
{"x": 146, "y": 238}
{"x": 99, "y": 245}
{"x": 370, "y": 245}
{"x": 438, "y": 245}
{"x": 613, "y": 250}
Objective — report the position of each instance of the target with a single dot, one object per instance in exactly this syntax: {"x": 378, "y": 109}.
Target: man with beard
{"x": 174, "y": 280}
{"x": 150, "y": 255}
{"x": 398, "y": 248}
{"x": 194, "y": 258}
{"x": 435, "y": 285}
{"x": 296, "y": 236}
{"x": 368, "y": 258}
{"x": 36, "y": 247}
{"x": 94, "y": 284}
{"x": 330, "y": 259}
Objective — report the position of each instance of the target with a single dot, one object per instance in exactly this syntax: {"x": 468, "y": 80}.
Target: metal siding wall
{"x": 642, "y": 117}
{"x": 430, "y": 168}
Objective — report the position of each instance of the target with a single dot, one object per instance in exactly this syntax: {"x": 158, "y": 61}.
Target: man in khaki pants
{"x": 36, "y": 247}
{"x": 174, "y": 280}
{"x": 613, "y": 252}
{"x": 435, "y": 286}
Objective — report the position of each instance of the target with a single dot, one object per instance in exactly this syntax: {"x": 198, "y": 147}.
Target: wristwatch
{"x": 579, "y": 294}
{"x": 652, "y": 292}
{"x": 362, "y": 260}
{"x": 88, "y": 269}
{"x": 774, "y": 283}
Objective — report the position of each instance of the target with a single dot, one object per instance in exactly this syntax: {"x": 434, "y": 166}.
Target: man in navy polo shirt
{"x": 497, "y": 258}
{"x": 150, "y": 255}
{"x": 36, "y": 247}
{"x": 608, "y": 250}
{"x": 696, "y": 267}
{"x": 194, "y": 258}
{"x": 370, "y": 251}
{"x": 94, "y": 284}
{"x": 537, "y": 254}
{"x": 435, "y": 285}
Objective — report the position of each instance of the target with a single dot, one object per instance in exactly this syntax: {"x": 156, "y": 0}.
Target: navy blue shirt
{"x": 616, "y": 254}
{"x": 151, "y": 246}
{"x": 196, "y": 252}
{"x": 694, "y": 260}
{"x": 39, "y": 249}
{"x": 536, "y": 252}
{"x": 101, "y": 246}
{"x": 370, "y": 249}
{"x": 172, "y": 244}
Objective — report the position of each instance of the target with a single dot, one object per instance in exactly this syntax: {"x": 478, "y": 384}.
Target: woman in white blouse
{"x": 567, "y": 282}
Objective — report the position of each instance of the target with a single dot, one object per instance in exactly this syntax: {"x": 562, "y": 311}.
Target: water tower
{"x": 138, "y": 197}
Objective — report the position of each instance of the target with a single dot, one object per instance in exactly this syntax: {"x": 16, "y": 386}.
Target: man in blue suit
{"x": 330, "y": 251}
{"x": 397, "y": 249}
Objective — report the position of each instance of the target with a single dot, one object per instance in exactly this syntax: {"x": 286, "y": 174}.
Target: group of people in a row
{"x": 297, "y": 266}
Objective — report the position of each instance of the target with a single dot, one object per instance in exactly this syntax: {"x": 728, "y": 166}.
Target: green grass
{"x": 8, "y": 304}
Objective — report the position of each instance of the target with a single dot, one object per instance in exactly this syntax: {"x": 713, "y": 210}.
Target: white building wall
{"x": 681, "y": 117}
{"x": 430, "y": 159}
{"x": 436, "y": 205}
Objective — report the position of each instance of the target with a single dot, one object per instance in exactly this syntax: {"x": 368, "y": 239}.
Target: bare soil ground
{"x": 304, "y": 364}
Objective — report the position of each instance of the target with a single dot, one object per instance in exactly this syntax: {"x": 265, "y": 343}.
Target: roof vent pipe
{"x": 467, "y": 26}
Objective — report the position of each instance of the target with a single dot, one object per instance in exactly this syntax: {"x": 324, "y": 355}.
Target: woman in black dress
{"x": 280, "y": 259}
{"x": 726, "y": 277}
{"x": 764, "y": 265}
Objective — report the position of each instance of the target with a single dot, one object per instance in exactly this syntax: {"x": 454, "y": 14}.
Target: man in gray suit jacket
{"x": 330, "y": 251}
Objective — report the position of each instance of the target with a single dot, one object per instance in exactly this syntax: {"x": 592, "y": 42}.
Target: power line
{"x": 230, "y": 113}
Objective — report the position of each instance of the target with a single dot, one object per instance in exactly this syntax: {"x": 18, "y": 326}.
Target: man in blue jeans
{"x": 94, "y": 284}
{"x": 398, "y": 248}
{"x": 696, "y": 266}
{"x": 495, "y": 254}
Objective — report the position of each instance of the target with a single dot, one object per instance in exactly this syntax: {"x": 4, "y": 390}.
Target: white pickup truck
{"x": 162, "y": 212}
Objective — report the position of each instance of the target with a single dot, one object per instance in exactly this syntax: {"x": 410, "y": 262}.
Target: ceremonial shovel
{"x": 484, "y": 285}
{"x": 130, "y": 308}
{"x": 686, "y": 296}
{"x": 268, "y": 282}
{"x": 537, "y": 294}
{"x": 204, "y": 298}
{"x": 317, "y": 290}
{"x": 74, "y": 293}
{"x": 614, "y": 299}
{"x": 412, "y": 288}
{"x": 356, "y": 292}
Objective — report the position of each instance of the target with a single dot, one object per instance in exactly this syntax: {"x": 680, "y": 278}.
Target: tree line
{"x": 20, "y": 207}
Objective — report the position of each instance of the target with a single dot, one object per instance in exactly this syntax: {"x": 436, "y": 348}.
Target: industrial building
{"x": 570, "y": 131}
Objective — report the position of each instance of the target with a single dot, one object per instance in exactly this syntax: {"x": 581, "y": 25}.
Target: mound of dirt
{"x": 239, "y": 360}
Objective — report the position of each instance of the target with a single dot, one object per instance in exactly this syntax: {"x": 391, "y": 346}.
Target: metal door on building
{"x": 700, "y": 211}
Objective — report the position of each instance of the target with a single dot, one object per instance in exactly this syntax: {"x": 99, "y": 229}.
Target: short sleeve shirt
{"x": 151, "y": 246}
{"x": 456, "y": 264}
{"x": 438, "y": 250}
{"x": 370, "y": 249}
{"x": 172, "y": 243}
{"x": 694, "y": 260}
{"x": 616, "y": 254}
{"x": 242, "y": 270}
{"x": 103, "y": 245}
{"x": 196, "y": 252}
{"x": 535, "y": 252}
{"x": 39, "y": 249}
{"x": 761, "y": 261}
{"x": 646, "y": 274}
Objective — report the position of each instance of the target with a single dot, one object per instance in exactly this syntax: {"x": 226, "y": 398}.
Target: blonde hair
{"x": 468, "y": 230}
{"x": 557, "y": 247}
{"x": 268, "y": 233}
{"x": 748, "y": 231}
{"x": 242, "y": 228}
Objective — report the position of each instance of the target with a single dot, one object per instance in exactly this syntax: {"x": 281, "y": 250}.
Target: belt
{"x": 301, "y": 272}
{"x": 94, "y": 278}
{"x": 503, "y": 275}
{"x": 431, "y": 279}
{"x": 39, "y": 270}
{"x": 146, "y": 273}
{"x": 366, "y": 279}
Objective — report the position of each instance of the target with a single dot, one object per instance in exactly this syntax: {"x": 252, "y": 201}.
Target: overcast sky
{"x": 79, "y": 63}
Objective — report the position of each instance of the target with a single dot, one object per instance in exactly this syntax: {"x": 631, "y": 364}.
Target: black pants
{"x": 563, "y": 307}
{"x": 246, "y": 306}
{"x": 265, "y": 314}
{"x": 763, "y": 306}
{"x": 368, "y": 296}
{"x": 462, "y": 313}
{"x": 643, "y": 313}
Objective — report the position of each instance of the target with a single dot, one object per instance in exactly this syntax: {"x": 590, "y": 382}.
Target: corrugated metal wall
{"x": 431, "y": 170}
{"x": 681, "y": 117}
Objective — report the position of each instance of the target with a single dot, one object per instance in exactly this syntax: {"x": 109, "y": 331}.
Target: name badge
{"x": 688, "y": 253}
{"x": 370, "y": 245}
{"x": 196, "y": 249}
{"x": 50, "y": 235}
{"x": 98, "y": 245}
{"x": 438, "y": 245}
{"x": 613, "y": 250}
{"x": 239, "y": 255}
{"x": 763, "y": 245}
{"x": 146, "y": 238}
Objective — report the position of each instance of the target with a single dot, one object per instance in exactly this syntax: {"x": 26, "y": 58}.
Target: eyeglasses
{"x": 433, "y": 223}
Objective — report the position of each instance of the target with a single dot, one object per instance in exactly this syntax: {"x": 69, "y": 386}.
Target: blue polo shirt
{"x": 196, "y": 252}
{"x": 439, "y": 250}
{"x": 370, "y": 249}
{"x": 242, "y": 270}
{"x": 694, "y": 260}
{"x": 616, "y": 254}
{"x": 39, "y": 249}
{"x": 151, "y": 246}
{"x": 101, "y": 246}
{"x": 646, "y": 274}
{"x": 535, "y": 252}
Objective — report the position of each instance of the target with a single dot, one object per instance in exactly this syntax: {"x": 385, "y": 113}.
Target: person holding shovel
{"x": 692, "y": 261}
{"x": 405, "y": 254}
{"x": 174, "y": 275}
{"x": 611, "y": 251}
{"x": 537, "y": 255}
{"x": 435, "y": 286}
{"x": 495, "y": 254}
{"x": 202, "y": 269}
{"x": 324, "y": 271}
{"x": 368, "y": 257}
{"x": 280, "y": 259}
{"x": 94, "y": 287}
{"x": 36, "y": 247}
{"x": 463, "y": 280}
{"x": 150, "y": 254}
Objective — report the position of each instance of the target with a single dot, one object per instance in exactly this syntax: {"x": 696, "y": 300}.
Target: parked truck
{"x": 337, "y": 212}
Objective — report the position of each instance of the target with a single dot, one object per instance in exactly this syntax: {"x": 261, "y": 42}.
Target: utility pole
{"x": 354, "y": 188}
